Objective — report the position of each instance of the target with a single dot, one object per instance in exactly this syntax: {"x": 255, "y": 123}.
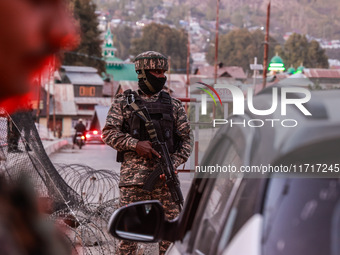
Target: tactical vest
{"x": 161, "y": 113}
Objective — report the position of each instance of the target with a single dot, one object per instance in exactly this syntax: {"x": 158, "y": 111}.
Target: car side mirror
{"x": 141, "y": 221}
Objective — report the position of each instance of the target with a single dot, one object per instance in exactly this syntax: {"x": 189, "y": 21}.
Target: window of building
{"x": 87, "y": 91}
{"x": 92, "y": 91}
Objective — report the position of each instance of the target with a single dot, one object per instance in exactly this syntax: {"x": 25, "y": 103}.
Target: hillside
{"x": 318, "y": 18}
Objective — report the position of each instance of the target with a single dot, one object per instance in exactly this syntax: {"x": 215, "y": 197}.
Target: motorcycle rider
{"x": 80, "y": 128}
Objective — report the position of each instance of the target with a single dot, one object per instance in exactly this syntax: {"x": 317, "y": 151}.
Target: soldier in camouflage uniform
{"x": 125, "y": 132}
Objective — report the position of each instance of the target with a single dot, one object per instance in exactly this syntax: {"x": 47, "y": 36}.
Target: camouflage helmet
{"x": 151, "y": 60}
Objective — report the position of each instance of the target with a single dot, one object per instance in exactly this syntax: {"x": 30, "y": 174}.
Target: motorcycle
{"x": 80, "y": 139}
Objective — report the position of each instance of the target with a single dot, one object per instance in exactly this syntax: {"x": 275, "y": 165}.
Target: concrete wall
{"x": 67, "y": 127}
{"x": 43, "y": 121}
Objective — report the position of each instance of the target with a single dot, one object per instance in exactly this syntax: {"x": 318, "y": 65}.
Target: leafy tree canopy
{"x": 169, "y": 41}
{"x": 239, "y": 47}
{"x": 89, "y": 52}
{"x": 298, "y": 51}
{"x": 122, "y": 40}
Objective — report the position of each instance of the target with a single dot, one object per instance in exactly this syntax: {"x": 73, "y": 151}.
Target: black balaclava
{"x": 156, "y": 83}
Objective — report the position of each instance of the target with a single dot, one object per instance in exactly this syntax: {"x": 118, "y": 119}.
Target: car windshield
{"x": 302, "y": 216}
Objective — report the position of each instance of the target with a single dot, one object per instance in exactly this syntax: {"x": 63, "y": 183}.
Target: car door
{"x": 220, "y": 192}
{"x": 230, "y": 146}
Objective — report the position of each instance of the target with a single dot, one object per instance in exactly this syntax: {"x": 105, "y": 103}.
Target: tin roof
{"x": 105, "y": 101}
{"x": 64, "y": 99}
{"x": 322, "y": 73}
{"x": 226, "y": 71}
{"x": 110, "y": 88}
{"x": 125, "y": 72}
{"x": 85, "y": 78}
{"x": 78, "y": 69}
{"x": 299, "y": 80}
{"x": 101, "y": 114}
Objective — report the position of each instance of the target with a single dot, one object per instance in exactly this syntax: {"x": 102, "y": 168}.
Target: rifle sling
{"x": 148, "y": 122}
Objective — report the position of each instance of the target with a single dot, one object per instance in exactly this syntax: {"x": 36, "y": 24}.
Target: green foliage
{"x": 168, "y": 41}
{"x": 316, "y": 55}
{"x": 239, "y": 47}
{"x": 298, "y": 51}
{"x": 147, "y": 7}
{"x": 237, "y": 19}
{"x": 89, "y": 52}
{"x": 176, "y": 14}
{"x": 122, "y": 40}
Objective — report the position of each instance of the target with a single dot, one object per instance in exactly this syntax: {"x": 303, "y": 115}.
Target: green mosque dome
{"x": 276, "y": 64}
{"x": 291, "y": 70}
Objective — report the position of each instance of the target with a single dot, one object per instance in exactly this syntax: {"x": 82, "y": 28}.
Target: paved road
{"x": 101, "y": 156}
{"x": 95, "y": 155}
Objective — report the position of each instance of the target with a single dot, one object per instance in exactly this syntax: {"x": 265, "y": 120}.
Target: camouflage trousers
{"x": 130, "y": 194}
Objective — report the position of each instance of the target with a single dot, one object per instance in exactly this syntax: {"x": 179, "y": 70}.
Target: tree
{"x": 177, "y": 13}
{"x": 239, "y": 47}
{"x": 297, "y": 50}
{"x": 147, "y": 7}
{"x": 317, "y": 56}
{"x": 122, "y": 40}
{"x": 168, "y": 41}
{"x": 89, "y": 51}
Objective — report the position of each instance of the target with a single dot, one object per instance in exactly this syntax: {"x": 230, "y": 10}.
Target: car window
{"x": 247, "y": 203}
{"x": 215, "y": 208}
{"x": 302, "y": 216}
{"x": 205, "y": 182}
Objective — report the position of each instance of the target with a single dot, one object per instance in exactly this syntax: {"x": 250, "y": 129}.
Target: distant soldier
{"x": 126, "y": 132}
{"x": 15, "y": 126}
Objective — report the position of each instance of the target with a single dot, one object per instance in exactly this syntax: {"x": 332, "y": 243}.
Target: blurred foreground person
{"x": 31, "y": 32}
{"x": 13, "y": 133}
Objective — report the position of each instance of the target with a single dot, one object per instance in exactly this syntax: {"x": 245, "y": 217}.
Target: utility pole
{"x": 188, "y": 68}
{"x": 216, "y": 49}
{"x": 255, "y": 73}
{"x": 255, "y": 67}
{"x": 54, "y": 92}
{"x": 48, "y": 104}
{"x": 265, "y": 57}
{"x": 216, "y": 41}
{"x": 38, "y": 101}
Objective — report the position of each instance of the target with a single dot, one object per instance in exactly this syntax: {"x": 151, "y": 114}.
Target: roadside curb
{"x": 53, "y": 146}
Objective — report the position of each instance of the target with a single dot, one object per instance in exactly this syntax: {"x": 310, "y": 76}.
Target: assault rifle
{"x": 165, "y": 165}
